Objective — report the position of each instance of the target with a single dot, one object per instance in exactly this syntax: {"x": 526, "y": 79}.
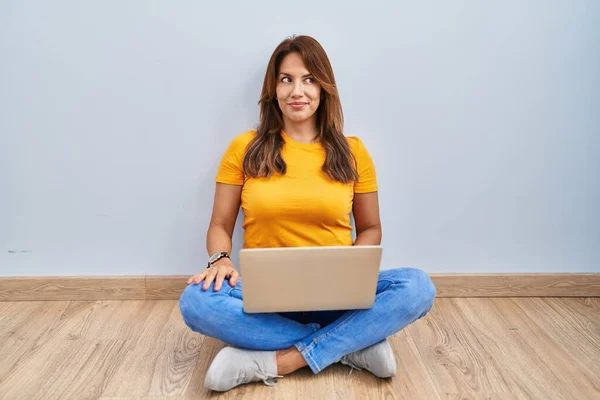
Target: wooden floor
{"x": 480, "y": 348}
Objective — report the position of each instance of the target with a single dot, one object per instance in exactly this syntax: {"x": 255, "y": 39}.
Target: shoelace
{"x": 345, "y": 361}
{"x": 269, "y": 379}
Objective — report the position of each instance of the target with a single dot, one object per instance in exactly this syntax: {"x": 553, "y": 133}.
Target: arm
{"x": 225, "y": 209}
{"x": 218, "y": 238}
{"x": 366, "y": 217}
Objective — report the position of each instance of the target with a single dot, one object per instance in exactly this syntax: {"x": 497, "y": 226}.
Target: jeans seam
{"x": 309, "y": 358}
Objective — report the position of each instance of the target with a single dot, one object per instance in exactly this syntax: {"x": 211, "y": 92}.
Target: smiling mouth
{"x": 297, "y": 106}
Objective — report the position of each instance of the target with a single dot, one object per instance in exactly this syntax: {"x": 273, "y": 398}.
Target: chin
{"x": 299, "y": 118}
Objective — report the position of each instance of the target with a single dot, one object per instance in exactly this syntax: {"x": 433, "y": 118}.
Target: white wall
{"x": 482, "y": 117}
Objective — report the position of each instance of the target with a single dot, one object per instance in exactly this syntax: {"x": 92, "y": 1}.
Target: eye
{"x": 286, "y": 79}
{"x": 310, "y": 79}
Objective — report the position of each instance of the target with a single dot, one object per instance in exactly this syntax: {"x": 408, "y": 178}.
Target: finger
{"x": 197, "y": 278}
{"x": 233, "y": 278}
{"x": 192, "y": 278}
{"x": 208, "y": 279}
{"x": 220, "y": 277}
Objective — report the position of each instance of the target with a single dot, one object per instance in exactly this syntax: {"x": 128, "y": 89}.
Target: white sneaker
{"x": 378, "y": 359}
{"x": 233, "y": 367}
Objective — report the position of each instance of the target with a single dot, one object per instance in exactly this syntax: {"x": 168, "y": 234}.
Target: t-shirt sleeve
{"x": 367, "y": 176}
{"x": 230, "y": 168}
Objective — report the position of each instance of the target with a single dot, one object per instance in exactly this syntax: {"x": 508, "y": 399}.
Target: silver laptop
{"x": 309, "y": 278}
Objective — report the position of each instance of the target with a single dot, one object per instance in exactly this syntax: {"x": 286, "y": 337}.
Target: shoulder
{"x": 230, "y": 167}
{"x": 357, "y": 147}
{"x": 367, "y": 176}
{"x": 354, "y": 142}
{"x": 361, "y": 154}
{"x": 237, "y": 146}
{"x": 241, "y": 141}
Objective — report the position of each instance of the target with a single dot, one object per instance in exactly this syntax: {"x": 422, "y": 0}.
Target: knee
{"x": 418, "y": 290}
{"x": 194, "y": 305}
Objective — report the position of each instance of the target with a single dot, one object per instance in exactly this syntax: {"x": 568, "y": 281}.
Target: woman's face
{"x": 298, "y": 93}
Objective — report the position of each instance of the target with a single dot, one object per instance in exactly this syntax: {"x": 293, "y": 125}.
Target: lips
{"x": 297, "y": 105}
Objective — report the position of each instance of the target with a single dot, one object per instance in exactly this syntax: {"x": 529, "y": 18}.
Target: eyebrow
{"x": 286, "y": 74}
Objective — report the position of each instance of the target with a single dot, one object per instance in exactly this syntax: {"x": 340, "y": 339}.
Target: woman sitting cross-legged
{"x": 297, "y": 178}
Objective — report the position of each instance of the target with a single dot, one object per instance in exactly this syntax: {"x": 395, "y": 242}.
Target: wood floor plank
{"x": 346, "y": 383}
{"x": 30, "y": 336}
{"x": 489, "y": 375}
{"x": 14, "y": 317}
{"x": 181, "y": 350}
{"x": 125, "y": 317}
{"x": 430, "y": 337}
{"x": 558, "y": 361}
{"x": 142, "y": 398}
{"x": 412, "y": 376}
{"x": 99, "y": 368}
{"x": 456, "y": 360}
{"x": 584, "y": 310}
{"x": 209, "y": 347}
{"x": 80, "y": 368}
{"x": 13, "y": 352}
{"x": 65, "y": 331}
{"x": 136, "y": 371}
{"x": 465, "y": 348}
{"x": 568, "y": 332}
{"x": 592, "y": 302}
{"x": 493, "y": 332}
{"x": 34, "y": 379}
{"x": 532, "y": 366}
{"x": 11, "y": 309}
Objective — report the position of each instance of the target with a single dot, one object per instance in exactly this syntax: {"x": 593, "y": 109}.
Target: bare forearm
{"x": 369, "y": 237}
{"x": 218, "y": 239}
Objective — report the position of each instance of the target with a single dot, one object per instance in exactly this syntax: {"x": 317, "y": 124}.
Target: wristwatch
{"x": 216, "y": 257}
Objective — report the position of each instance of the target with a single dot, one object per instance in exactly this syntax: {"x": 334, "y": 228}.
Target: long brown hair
{"x": 263, "y": 154}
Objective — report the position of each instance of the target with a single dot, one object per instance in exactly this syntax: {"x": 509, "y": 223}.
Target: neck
{"x": 305, "y": 131}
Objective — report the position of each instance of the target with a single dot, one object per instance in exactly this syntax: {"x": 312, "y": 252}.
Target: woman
{"x": 297, "y": 178}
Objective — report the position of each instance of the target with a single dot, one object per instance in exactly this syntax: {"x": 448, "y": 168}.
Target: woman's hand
{"x": 218, "y": 272}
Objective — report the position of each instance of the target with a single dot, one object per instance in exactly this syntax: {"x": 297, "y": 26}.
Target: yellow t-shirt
{"x": 303, "y": 207}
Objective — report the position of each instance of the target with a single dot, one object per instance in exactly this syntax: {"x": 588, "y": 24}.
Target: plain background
{"x": 483, "y": 119}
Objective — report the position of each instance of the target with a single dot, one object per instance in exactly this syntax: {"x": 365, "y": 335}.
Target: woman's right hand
{"x": 218, "y": 272}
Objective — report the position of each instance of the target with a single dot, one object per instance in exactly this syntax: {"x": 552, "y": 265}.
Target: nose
{"x": 297, "y": 90}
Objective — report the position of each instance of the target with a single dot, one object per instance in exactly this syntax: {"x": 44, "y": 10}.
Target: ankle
{"x": 289, "y": 360}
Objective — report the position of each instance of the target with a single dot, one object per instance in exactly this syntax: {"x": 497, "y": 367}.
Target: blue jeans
{"x": 404, "y": 295}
